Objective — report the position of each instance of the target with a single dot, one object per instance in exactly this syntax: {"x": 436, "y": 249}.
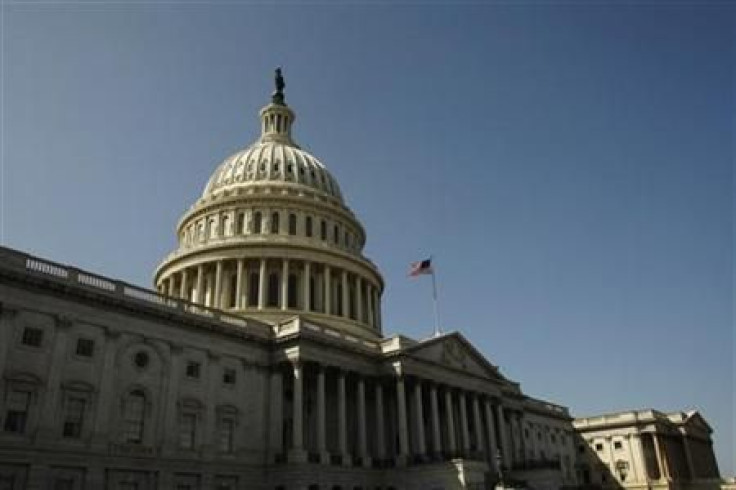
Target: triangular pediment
{"x": 695, "y": 420}
{"x": 455, "y": 352}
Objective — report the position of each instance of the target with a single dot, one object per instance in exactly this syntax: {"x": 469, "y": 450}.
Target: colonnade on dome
{"x": 278, "y": 285}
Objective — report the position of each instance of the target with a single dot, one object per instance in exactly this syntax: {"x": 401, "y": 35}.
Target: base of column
{"x": 367, "y": 463}
{"x": 324, "y": 457}
{"x": 402, "y": 460}
{"x": 347, "y": 460}
{"x": 297, "y": 456}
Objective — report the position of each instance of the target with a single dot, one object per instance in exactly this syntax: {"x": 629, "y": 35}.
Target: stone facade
{"x": 646, "y": 449}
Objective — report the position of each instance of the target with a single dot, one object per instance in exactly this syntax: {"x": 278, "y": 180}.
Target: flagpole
{"x": 437, "y": 330}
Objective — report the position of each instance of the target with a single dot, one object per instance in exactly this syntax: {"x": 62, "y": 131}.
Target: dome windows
{"x": 292, "y": 224}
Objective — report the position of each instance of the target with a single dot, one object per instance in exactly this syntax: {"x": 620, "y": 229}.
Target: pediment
{"x": 455, "y": 352}
{"x": 694, "y": 419}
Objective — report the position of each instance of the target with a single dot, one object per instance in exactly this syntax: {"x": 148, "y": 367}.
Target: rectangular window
{"x": 617, "y": 445}
{"x": 74, "y": 417}
{"x": 192, "y": 369}
{"x": 135, "y": 411}
{"x": 599, "y": 447}
{"x": 228, "y": 376}
{"x": 16, "y": 415}
{"x": 85, "y": 347}
{"x": 226, "y": 431}
{"x": 32, "y": 336}
{"x": 187, "y": 430}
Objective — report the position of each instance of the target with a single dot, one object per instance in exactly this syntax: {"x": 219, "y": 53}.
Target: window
{"x": 187, "y": 430}
{"x": 134, "y": 416}
{"x": 257, "y": 222}
{"x": 323, "y": 230}
{"x": 85, "y": 347}
{"x": 73, "y": 417}
{"x": 225, "y": 432}
{"x": 308, "y": 226}
{"x": 228, "y": 376}
{"x": 253, "y": 287}
{"x": 32, "y": 336}
{"x": 275, "y": 223}
{"x": 192, "y": 370}
{"x": 292, "y": 224}
{"x": 581, "y": 448}
{"x": 599, "y": 447}
{"x": 240, "y": 223}
{"x": 617, "y": 445}
{"x": 293, "y": 291}
{"x": 16, "y": 415}
{"x": 336, "y": 234}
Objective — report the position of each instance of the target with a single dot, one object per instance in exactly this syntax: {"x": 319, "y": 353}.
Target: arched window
{"x": 323, "y": 230}
{"x": 273, "y": 289}
{"x": 293, "y": 291}
{"x": 275, "y": 222}
{"x": 292, "y": 224}
{"x": 240, "y": 223}
{"x": 257, "y": 222}
{"x": 134, "y": 416}
{"x": 308, "y": 226}
{"x": 336, "y": 234}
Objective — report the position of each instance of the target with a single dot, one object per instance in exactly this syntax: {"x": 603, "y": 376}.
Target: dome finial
{"x": 278, "y": 95}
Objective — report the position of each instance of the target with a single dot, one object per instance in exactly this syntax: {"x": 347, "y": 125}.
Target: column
{"x": 419, "y": 419}
{"x": 503, "y": 436}
{"x": 635, "y": 462}
{"x": 522, "y": 443}
{"x": 342, "y": 418}
{"x": 262, "y": 285}
{"x": 167, "y": 431}
{"x": 297, "y": 453}
{"x": 492, "y": 443}
{"x": 403, "y": 429}
{"x": 171, "y": 285}
{"x": 663, "y": 473}
{"x": 358, "y": 299}
{"x": 239, "y": 285}
{"x": 436, "y": 436}
{"x": 321, "y": 414}
{"x": 51, "y": 397}
{"x": 345, "y": 292}
{"x": 449, "y": 415}
{"x": 665, "y": 456}
{"x": 464, "y": 425}
{"x": 369, "y": 305}
{"x": 105, "y": 399}
{"x": 285, "y": 285}
{"x": 380, "y": 428}
{"x": 307, "y": 286}
{"x": 478, "y": 426}
{"x": 216, "y": 303}
{"x": 214, "y": 380}
{"x": 183, "y": 286}
{"x": 276, "y": 417}
{"x": 328, "y": 290}
{"x": 200, "y": 285}
{"x": 362, "y": 435}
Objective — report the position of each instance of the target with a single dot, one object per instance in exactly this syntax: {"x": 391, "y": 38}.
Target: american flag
{"x": 420, "y": 268}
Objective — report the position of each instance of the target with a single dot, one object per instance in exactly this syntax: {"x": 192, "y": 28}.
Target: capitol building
{"x": 258, "y": 361}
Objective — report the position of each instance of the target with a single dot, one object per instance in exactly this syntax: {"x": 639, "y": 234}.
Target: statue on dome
{"x": 278, "y": 95}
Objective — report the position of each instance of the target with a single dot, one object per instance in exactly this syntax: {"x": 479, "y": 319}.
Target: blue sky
{"x": 569, "y": 166}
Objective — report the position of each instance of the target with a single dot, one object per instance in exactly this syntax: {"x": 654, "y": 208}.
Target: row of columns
{"x": 315, "y": 287}
{"x": 478, "y": 432}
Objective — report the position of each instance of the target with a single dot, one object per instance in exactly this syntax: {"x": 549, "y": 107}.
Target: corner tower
{"x": 271, "y": 237}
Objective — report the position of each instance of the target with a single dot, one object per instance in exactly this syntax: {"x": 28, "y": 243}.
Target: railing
{"x": 24, "y": 263}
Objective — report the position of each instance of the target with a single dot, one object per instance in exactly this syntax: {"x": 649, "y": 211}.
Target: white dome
{"x": 268, "y": 162}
